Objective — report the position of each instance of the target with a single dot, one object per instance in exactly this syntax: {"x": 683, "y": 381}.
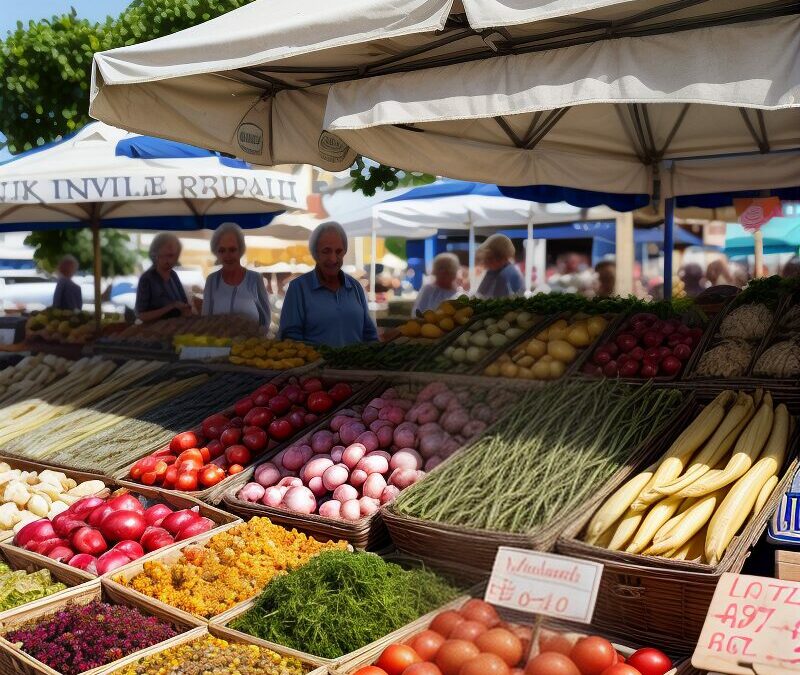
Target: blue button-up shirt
{"x": 313, "y": 313}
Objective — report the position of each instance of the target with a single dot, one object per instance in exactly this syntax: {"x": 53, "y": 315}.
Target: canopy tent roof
{"x": 781, "y": 235}
{"x": 122, "y": 180}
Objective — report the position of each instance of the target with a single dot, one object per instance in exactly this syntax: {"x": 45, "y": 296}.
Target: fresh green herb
{"x": 339, "y": 602}
{"x": 544, "y": 459}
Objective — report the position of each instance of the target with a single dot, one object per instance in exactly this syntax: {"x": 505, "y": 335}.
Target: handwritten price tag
{"x": 543, "y": 583}
{"x": 752, "y": 626}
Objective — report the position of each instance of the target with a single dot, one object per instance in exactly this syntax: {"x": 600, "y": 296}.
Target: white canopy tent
{"x": 106, "y": 177}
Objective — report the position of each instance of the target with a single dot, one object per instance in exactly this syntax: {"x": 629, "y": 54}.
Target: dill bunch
{"x": 339, "y": 602}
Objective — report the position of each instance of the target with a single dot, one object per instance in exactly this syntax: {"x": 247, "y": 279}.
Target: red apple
{"x": 280, "y": 429}
{"x": 279, "y": 404}
{"x": 259, "y": 417}
{"x": 243, "y": 406}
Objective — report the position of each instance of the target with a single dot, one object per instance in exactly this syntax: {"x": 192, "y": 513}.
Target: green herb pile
{"x": 547, "y": 456}
{"x": 339, "y": 602}
{"x": 19, "y": 587}
{"x": 395, "y": 355}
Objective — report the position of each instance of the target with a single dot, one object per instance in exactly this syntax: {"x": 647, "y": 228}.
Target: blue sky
{"x": 12, "y": 11}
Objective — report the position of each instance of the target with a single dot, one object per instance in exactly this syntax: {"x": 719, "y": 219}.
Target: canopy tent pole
{"x": 669, "y": 244}
{"x": 529, "y": 253}
{"x": 373, "y": 254}
{"x": 98, "y": 269}
{"x": 625, "y": 254}
{"x": 472, "y": 280}
{"x": 758, "y": 250}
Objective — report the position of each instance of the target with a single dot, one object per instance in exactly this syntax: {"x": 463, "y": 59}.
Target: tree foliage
{"x": 116, "y": 255}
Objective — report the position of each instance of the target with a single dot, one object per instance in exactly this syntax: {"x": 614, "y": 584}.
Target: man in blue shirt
{"x": 326, "y": 306}
{"x": 68, "y": 294}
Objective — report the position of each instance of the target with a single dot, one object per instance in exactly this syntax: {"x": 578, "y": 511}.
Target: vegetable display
{"x": 226, "y": 443}
{"x": 230, "y": 567}
{"x": 159, "y": 335}
{"x": 399, "y": 354}
{"x": 645, "y": 347}
{"x": 18, "y": 587}
{"x": 99, "y": 535}
{"x": 78, "y": 637}
{"x": 473, "y": 640}
{"x": 479, "y": 340}
{"x": 340, "y": 601}
{"x": 746, "y": 322}
{"x": 547, "y": 355}
{"x": 433, "y": 324}
{"x": 714, "y": 478}
{"x": 581, "y": 434}
{"x": 26, "y": 496}
{"x": 262, "y": 352}
{"x": 368, "y": 454}
{"x": 729, "y": 358}
{"x": 66, "y": 325}
{"x": 782, "y": 359}
{"x": 30, "y": 375}
{"x": 209, "y": 654}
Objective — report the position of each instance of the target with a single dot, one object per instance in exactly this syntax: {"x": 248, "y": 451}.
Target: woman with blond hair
{"x": 443, "y": 287}
{"x": 502, "y": 277}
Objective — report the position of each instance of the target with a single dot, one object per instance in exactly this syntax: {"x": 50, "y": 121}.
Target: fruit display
{"x": 481, "y": 338}
{"x": 230, "y": 567}
{"x": 30, "y": 375}
{"x": 547, "y": 355}
{"x": 261, "y": 352}
{"x": 433, "y": 324}
{"x": 209, "y": 654}
{"x": 369, "y": 453}
{"x": 192, "y": 340}
{"x": 66, "y": 326}
{"x": 26, "y": 496}
{"x": 98, "y": 535}
{"x": 339, "y": 602}
{"x": 18, "y": 587}
{"x": 79, "y": 637}
{"x": 474, "y": 640}
{"x": 645, "y": 347}
{"x": 716, "y": 476}
{"x": 226, "y": 443}
{"x": 399, "y": 354}
{"x": 581, "y": 435}
{"x": 160, "y": 335}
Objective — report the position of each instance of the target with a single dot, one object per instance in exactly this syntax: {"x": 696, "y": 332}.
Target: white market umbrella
{"x": 102, "y": 176}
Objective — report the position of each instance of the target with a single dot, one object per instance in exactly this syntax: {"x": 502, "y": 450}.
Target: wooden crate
{"x": 787, "y": 565}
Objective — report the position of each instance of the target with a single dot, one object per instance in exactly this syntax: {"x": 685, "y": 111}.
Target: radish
{"x": 389, "y": 493}
{"x": 368, "y": 506}
{"x": 300, "y": 499}
{"x": 315, "y": 468}
{"x": 331, "y": 509}
{"x": 335, "y": 476}
{"x": 345, "y": 493}
{"x": 374, "y": 486}
{"x": 358, "y": 477}
{"x": 374, "y": 463}
{"x": 407, "y": 458}
{"x": 317, "y": 486}
{"x": 252, "y": 492}
{"x": 351, "y": 510}
{"x": 267, "y": 474}
{"x": 272, "y": 497}
{"x": 353, "y": 454}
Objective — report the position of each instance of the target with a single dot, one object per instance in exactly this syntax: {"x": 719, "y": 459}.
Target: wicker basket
{"x": 151, "y": 496}
{"x": 14, "y": 661}
{"x": 213, "y": 495}
{"x": 441, "y": 544}
{"x": 658, "y": 598}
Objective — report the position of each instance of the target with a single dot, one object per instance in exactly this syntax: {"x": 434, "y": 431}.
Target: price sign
{"x": 756, "y": 212}
{"x": 752, "y": 626}
{"x": 543, "y": 583}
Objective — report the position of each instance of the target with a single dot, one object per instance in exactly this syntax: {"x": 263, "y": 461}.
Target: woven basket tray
{"x": 14, "y": 661}
{"x": 659, "y": 598}
{"x": 438, "y": 543}
{"x": 151, "y": 496}
{"x": 213, "y": 495}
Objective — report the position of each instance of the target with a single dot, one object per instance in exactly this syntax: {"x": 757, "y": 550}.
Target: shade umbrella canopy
{"x": 487, "y": 79}
{"x": 122, "y": 180}
{"x": 781, "y": 235}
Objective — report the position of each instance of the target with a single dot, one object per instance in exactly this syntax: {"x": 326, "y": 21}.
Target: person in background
{"x": 718, "y": 273}
{"x": 443, "y": 287}
{"x": 326, "y": 306}
{"x": 68, "y": 294}
{"x": 233, "y": 289}
{"x": 791, "y": 268}
{"x": 692, "y": 277}
{"x": 606, "y": 278}
{"x": 502, "y": 277}
{"x": 160, "y": 294}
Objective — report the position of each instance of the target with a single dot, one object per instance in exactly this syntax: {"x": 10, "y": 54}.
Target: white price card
{"x": 544, "y": 583}
{"x": 752, "y": 626}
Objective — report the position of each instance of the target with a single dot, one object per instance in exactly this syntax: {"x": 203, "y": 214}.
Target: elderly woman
{"x": 445, "y": 270}
{"x": 160, "y": 294}
{"x": 326, "y": 306}
{"x": 68, "y": 294}
{"x": 233, "y": 289}
{"x": 502, "y": 277}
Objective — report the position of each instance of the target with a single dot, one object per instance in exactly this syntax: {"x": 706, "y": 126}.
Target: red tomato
{"x": 370, "y": 670}
{"x": 184, "y": 441}
{"x": 190, "y": 464}
{"x": 190, "y": 454}
{"x": 170, "y": 476}
{"x": 319, "y": 402}
{"x": 234, "y": 469}
{"x": 396, "y": 658}
{"x": 422, "y": 669}
{"x": 160, "y": 468}
{"x": 149, "y": 478}
{"x": 484, "y": 664}
{"x": 205, "y": 453}
{"x": 551, "y": 663}
{"x": 502, "y": 643}
{"x": 551, "y": 641}
{"x": 468, "y": 630}
{"x": 649, "y": 661}
{"x": 187, "y": 481}
{"x": 237, "y": 454}
{"x": 426, "y": 644}
{"x": 444, "y": 622}
{"x": 453, "y": 654}
{"x": 210, "y": 475}
{"x": 483, "y": 612}
{"x": 620, "y": 669}
{"x": 593, "y": 655}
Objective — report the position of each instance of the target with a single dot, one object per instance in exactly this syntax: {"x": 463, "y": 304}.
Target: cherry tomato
{"x": 396, "y": 658}
{"x": 210, "y": 475}
{"x": 192, "y": 453}
{"x": 234, "y": 469}
{"x": 649, "y": 661}
{"x": 621, "y": 669}
{"x": 186, "y": 481}
{"x": 426, "y": 644}
{"x": 551, "y": 663}
{"x": 593, "y": 655}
